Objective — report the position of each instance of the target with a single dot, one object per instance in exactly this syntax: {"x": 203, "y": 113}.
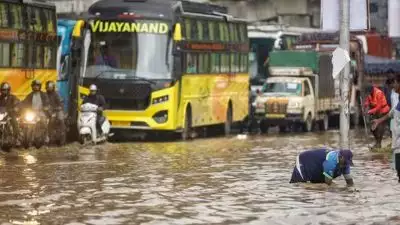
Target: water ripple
{"x": 213, "y": 181}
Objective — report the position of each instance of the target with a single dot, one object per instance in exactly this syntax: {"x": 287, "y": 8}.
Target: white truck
{"x": 300, "y": 91}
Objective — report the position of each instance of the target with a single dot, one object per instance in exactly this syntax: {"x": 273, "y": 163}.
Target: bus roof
{"x": 281, "y": 28}
{"x": 276, "y": 30}
{"x": 157, "y": 8}
{"x": 41, "y": 3}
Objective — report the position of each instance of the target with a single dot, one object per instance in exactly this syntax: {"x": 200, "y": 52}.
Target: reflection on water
{"x": 209, "y": 181}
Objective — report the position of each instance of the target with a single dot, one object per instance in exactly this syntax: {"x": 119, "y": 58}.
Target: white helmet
{"x": 93, "y": 87}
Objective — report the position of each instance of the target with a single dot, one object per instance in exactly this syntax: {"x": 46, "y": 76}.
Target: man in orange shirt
{"x": 378, "y": 107}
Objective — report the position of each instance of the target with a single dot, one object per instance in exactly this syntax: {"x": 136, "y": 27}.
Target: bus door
{"x": 62, "y": 67}
{"x": 84, "y": 56}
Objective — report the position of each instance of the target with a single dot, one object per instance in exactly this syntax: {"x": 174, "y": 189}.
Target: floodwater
{"x": 206, "y": 181}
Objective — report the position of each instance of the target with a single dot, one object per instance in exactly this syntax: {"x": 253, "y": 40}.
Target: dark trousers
{"x": 397, "y": 164}
{"x": 379, "y": 131}
{"x": 15, "y": 127}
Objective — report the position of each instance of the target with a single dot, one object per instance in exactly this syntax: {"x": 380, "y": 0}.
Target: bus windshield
{"x": 125, "y": 55}
{"x": 284, "y": 88}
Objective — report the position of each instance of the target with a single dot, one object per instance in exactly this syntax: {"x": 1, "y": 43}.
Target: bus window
{"x": 288, "y": 41}
{"x": 242, "y": 33}
{"x": 49, "y": 20}
{"x": 49, "y": 59}
{"x": 215, "y": 62}
{"x": 234, "y": 63}
{"x": 187, "y": 29}
{"x": 206, "y": 32}
{"x": 35, "y": 56}
{"x": 204, "y": 63}
{"x": 243, "y": 63}
{"x": 17, "y": 55}
{"x": 224, "y": 32}
{"x": 5, "y": 54}
{"x": 211, "y": 30}
{"x": 199, "y": 25}
{"x": 217, "y": 31}
{"x": 233, "y": 32}
{"x": 191, "y": 63}
{"x": 225, "y": 63}
{"x": 3, "y": 15}
{"x": 34, "y": 19}
{"x": 16, "y": 16}
{"x": 39, "y": 57}
{"x": 194, "y": 35}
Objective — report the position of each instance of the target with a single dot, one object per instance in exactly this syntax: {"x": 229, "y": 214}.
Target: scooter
{"x": 87, "y": 125}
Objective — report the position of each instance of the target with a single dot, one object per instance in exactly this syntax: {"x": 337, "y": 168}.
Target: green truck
{"x": 300, "y": 91}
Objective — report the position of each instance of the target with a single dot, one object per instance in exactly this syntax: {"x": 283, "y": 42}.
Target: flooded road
{"x": 206, "y": 181}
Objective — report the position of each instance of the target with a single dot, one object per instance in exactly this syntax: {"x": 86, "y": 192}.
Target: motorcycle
{"x": 87, "y": 125}
{"x": 56, "y": 135}
{"x": 6, "y": 131}
{"x": 33, "y": 129}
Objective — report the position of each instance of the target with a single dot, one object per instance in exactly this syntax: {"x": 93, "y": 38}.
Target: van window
{"x": 306, "y": 89}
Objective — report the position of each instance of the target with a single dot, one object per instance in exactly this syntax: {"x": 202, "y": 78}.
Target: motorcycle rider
{"x": 37, "y": 100}
{"x": 55, "y": 103}
{"x": 96, "y": 99}
{"x": 10, "y": 102}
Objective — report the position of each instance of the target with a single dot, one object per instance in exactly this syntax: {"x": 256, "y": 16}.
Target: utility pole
{"x": 344, "y": 75}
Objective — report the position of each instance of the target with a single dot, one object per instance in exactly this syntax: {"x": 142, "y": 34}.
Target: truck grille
{"x": 276, "y": 107}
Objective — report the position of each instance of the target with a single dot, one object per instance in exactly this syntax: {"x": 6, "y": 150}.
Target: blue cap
{"x": 348, "y": 156}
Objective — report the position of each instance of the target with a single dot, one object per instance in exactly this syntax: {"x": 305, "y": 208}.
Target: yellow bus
{"x": 168, "y": 65}
{"x": 28, "y": 43}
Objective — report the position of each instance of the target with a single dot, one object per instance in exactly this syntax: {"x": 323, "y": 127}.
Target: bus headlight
{"x": 161, "y": 116}
{"x": 160, "y": 99}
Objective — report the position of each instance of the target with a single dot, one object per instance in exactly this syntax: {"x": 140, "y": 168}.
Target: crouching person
{"x": 322, "y": 166}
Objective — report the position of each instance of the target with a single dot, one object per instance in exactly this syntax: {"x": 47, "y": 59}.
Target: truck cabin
{"x": 288, "y": 82}
{"x": 265, "y": 39}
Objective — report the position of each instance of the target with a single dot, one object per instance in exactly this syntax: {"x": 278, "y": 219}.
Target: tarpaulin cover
{"x": 294, "y": 59}
{"x": 380, "y": 65}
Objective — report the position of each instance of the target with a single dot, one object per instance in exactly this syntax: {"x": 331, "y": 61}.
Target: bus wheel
{"x": 228, "y": 121}
{"x": 187, "y": 129}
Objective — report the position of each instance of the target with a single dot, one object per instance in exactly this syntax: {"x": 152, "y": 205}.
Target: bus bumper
{"x": 151, "y": 119}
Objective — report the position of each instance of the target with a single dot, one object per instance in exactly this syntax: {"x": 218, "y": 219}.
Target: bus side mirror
{"x": 177, "y": 32}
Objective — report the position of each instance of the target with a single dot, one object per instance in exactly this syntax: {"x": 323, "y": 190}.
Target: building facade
{"x": 300, "y": 13}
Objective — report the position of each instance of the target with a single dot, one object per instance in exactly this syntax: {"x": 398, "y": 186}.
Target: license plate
{"x": 121, "y": 123}
{"x": 275, "y": 116}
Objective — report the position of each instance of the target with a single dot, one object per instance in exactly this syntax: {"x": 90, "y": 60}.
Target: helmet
{"x": 93, "y": 87}
{"x": 36, "y": 83}
{"x": 5, "y": 88}
{"x": 50, "y": 86}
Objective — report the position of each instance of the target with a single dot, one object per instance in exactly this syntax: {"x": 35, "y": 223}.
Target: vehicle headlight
{"x": 295, "y": 105}
{"x": 29, "y": 116}
{"x": 160, "y": 99}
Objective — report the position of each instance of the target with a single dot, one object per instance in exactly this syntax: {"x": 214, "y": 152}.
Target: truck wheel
{"x": 308, "y": 124}
{"x": 324, "y": 123}
{"x": 263, "y": 127}
{"x": 228, "y": 121}
{"x": 282, "y": 129}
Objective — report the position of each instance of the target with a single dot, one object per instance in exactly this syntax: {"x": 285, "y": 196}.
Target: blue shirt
{"x": 317, "y": 164}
